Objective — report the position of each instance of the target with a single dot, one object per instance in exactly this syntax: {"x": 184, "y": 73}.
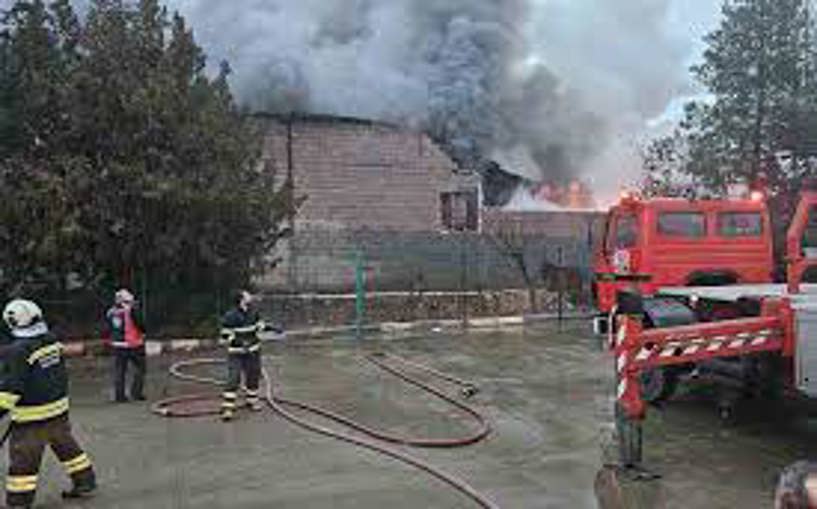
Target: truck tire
{"x": 659, "y": 384}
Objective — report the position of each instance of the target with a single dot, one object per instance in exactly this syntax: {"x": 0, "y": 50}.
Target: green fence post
{"x": 360, "y": 293}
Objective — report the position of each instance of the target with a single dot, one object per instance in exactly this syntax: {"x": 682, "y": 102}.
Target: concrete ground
{"x": 548, "y": 394}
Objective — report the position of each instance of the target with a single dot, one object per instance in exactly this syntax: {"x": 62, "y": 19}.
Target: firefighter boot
{"x": 253, "y": 400}
{"x": 82, "y": 489}
{"x": 228, "y": 406}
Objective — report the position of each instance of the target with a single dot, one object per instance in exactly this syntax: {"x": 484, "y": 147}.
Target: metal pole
{"x": 292, "y": 268}
{"x": 561, "y": 283}
{"x": 630, "y": 439}
{"x": 587, "y": 267}
{"x": 463, "y": 279}
{"x": 144, "y": 304}
{"x": 629, "y": 407}
{"x": 360, "y": 294}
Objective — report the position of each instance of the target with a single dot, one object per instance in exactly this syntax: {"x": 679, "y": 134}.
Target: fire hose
{"x": 372, "y": 439}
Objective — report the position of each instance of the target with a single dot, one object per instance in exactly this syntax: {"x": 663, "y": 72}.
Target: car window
{"x": 682, "y": 224}
{"x": 740, "y": 224}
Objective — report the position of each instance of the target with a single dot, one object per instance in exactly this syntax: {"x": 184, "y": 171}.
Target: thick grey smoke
{"x": 550, "y": 88}
{"x": 460, "y": 68}
{"x": 629, "y": 62}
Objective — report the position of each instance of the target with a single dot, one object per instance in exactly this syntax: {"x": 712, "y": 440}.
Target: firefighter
{"x": 126, "y": 328}
{"x": 240, "y": 328}
{"x": 34, "y": 389}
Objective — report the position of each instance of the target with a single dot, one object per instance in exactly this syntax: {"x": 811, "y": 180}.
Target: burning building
{"x": 364, "y": 174}
{"x": 575, "y": 195}
{"x": 389, "y": 191}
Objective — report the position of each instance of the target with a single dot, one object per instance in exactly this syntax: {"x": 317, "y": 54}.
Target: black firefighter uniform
{"x": 240, "y": 330}
{"x": 34, "y": 388}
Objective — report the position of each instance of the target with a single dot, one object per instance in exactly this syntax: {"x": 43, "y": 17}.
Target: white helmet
{"x": 123, "y": 296}
{"x": 21, "y": 313}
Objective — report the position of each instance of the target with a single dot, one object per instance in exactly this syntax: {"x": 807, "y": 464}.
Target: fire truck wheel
{"x": 658, "y": 384}
{"x": 767, "y": 383}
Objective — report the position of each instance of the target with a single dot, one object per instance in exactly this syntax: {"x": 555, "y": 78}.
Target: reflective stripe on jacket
{"x": 34, "y": 380}
{"x": 239, "y": 329}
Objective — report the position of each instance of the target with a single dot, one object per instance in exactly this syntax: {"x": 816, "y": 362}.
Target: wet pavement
{"x": 548, "y": 395}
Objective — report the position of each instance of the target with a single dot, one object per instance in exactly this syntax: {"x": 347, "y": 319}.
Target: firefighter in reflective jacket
{"x": 240, "y": 328}
{"x": 34, "y": 389}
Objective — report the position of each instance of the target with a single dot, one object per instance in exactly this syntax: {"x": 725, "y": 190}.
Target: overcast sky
{"x": 627, "y": 60}
{"x": 631, "y": 59}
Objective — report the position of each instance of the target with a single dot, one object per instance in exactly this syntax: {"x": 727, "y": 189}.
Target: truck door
{"x": 621, "y": 238}
{"x": 626, "y": 239}
{"x": 809, "y": 241}
{"x": 801, "y": 242}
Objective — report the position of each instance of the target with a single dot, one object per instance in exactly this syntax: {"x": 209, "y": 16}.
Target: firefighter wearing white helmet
{"x": 20, "y": 314}
{"x": 126, "y": 331}
{"x": 240, "y": 328}
{"x": 34, "y": 389}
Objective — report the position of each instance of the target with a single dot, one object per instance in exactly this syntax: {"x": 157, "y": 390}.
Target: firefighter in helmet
{"x": 240, "y": 328}
{"x": 34, "y": 389}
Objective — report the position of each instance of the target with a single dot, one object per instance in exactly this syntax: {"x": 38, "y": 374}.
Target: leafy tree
{"x": 759, "y": 70}
{"x": 664, "y": 162}
{"x": 120, "y": 156}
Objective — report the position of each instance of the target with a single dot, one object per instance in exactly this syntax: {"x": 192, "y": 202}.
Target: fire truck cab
{"x": 682, "y": 242}
{"x": 766, "y": 348}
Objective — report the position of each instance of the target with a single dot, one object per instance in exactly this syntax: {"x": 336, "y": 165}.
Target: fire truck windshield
{"x": 626, "y": 232}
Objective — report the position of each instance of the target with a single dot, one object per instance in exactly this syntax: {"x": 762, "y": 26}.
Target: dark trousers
{"x": 238, "y": 364}
{"x": 27, "y": 444}
{"x": 123, "y": 357}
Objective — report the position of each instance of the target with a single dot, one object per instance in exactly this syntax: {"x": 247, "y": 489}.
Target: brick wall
{"x": 557, "y": 224}
{"x": 360, "y": 174}
{"x": 374, "y": 189}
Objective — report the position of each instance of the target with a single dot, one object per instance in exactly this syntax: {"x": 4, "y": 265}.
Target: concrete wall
{"x": 324, "y": 261}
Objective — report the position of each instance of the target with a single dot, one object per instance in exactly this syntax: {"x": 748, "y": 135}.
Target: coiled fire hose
{"x": 174, "y": 407}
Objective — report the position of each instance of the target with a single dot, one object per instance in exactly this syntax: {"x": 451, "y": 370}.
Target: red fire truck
{"x": 681, "y": 242}
{"x": 673, "y": 242}
{"x": 765, "y": 340}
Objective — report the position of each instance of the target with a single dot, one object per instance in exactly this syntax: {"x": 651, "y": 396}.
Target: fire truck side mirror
{"x": 629, "y": 302}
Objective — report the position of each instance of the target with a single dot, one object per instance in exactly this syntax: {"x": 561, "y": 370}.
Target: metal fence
{"x": 326, "y": 261}
{"x": 336, "y": 277}
{"x": 329, "y": 275}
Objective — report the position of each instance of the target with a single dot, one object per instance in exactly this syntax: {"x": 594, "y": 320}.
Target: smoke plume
{"x": 552, "y": 89}
{"x": 461, "y": 69}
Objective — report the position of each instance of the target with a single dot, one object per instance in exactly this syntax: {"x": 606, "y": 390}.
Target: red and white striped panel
{"x": 691, "y": 346}
{"x": 621, "y": 363}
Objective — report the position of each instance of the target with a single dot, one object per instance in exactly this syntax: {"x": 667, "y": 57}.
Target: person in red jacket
{"x": 127, "y": 337}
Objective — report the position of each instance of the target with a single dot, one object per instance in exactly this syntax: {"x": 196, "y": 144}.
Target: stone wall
{"x": 296, "y": 311}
